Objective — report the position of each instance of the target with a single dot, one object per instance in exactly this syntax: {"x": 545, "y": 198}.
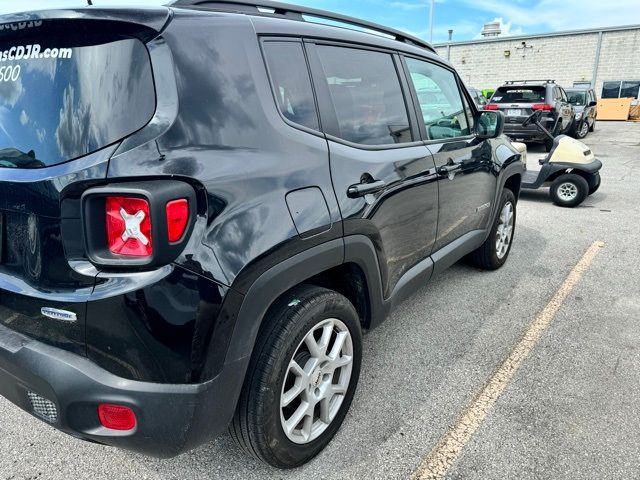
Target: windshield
{"x": 519, "y": 95}
{"x": 61, "y": 99}
{"x": 578, "y": 99}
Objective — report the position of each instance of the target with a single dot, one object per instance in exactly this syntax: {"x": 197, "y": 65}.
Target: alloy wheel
{"x": 316, "y": 381}
{"x": 504, "y": 234}
{"x": 584, "y": 129}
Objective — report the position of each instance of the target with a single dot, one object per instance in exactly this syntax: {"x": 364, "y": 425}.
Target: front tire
{"x": 569, "y": 190}
{"x": 596, "y": 184}
{"x": 301, "y": 379}
{"x": 495, "y": 250}
{"x": 582, "y": 130}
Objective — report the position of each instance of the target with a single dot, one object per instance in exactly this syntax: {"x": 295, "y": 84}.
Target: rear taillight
{"x": 491, "y": 106}
{"x": 116, "y": 417}
{"x": 129, "y": 226}
{"x": 145, "y": 224}
{"x": 177, "y": 218}
{"x": 542, "y": 106}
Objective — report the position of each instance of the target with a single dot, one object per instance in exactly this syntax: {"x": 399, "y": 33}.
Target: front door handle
{"x": 448, "y": 169}
{"x": 362, "y": 189}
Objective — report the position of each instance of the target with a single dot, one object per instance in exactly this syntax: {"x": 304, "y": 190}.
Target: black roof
{"x": 294, "y": 12}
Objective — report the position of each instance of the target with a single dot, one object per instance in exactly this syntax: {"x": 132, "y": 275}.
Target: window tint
{"x": 291, "y": 82}
{"x": 442, "y": 107}
{"x": 367, "y": 96}
{"x": 67, "y": 96}
{"x": 519, "y": 95}
{"x": 578, "y": 99}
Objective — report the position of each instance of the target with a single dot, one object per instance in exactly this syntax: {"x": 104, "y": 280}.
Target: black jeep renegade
{"x": 203, "y": 206}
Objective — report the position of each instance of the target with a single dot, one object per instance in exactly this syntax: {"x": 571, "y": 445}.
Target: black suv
{"x": 212, "y": 204}
{"x": 518, "y": 99}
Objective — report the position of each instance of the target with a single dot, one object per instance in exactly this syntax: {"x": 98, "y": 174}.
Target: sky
{"x": 464, "y": 17}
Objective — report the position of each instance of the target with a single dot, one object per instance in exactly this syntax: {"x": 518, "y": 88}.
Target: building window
{"x": 621, "y": 89}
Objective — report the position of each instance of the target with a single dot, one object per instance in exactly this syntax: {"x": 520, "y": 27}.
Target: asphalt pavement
{"x": 571, "y": 411}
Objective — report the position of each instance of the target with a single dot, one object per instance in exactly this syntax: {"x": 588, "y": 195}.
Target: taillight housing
{"x": 146, "y": 224}
{"x": 491, "y": 106}
{"x": 545, "y": 107}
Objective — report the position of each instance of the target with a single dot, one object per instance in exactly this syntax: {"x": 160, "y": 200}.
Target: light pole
{"x": 433, "y": 4}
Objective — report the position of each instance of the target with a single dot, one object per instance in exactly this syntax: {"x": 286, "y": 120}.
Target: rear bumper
{"x": 171, "y": 419}
{"x": 531, "y": 133}
{"x": 517, "y": 132}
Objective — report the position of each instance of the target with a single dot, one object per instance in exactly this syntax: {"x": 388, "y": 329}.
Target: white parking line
{"x": 436, "y": 464}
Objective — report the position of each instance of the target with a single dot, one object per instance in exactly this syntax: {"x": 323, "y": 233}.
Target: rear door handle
{"x": 362, "y": 189}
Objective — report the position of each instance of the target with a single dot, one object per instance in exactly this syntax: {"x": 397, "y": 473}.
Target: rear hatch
{"x": 73, "y": 84}
{"x": 517, "y": 102}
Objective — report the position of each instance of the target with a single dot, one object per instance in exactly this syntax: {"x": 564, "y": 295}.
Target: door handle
{"x": 447, "y": 169}
{"x": 362, "y": 189}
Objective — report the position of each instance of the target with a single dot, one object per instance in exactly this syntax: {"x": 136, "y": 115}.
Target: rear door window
{"x": 366, "y": 94}
{"x": 61, "y": 99}
{"x": 519, "y": 95}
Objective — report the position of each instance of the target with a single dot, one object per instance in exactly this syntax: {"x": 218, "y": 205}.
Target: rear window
{"x": 62, "y": 99}
{"x": 519, "y": 95}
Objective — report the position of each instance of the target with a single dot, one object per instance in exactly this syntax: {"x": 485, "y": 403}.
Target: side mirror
{"x": 489, "y": 124}
{"x": 593, "y": 103}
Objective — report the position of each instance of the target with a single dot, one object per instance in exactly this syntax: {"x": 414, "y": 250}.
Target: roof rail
{"x": 511, "y": 82}
{"x": 296, "y": 12}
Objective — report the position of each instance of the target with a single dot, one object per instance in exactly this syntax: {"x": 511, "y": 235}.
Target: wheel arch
{"x": 514, "y": 183}
{"x": 350, "y": 268}
{"x": 564, "y": 169}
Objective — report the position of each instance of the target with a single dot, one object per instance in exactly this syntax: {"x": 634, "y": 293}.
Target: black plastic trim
{"x": 171, "y": 418}
{"x": 157, "y": 193}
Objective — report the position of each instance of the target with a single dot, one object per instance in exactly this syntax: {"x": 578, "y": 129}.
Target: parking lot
{"x": 572, "y": 410}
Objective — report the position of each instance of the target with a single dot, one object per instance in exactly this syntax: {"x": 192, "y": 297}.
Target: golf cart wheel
{"x": 596, "y": 185}
{"x": 301, "y": 378}
{"x": 582, "y": 130}
{"x": 569, "y": 190}
{"x": 495, "y": 250}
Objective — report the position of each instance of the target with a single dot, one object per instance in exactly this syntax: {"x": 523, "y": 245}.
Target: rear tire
{"x": 495, "y": 250}
{"x": 569, "y": 190}
{"x": 287, "y": 380}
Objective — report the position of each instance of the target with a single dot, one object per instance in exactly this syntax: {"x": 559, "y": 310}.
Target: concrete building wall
{"x": 564, "y": 57}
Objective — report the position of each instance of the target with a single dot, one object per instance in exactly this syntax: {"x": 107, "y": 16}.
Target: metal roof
{"x": 539, "y": 35}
